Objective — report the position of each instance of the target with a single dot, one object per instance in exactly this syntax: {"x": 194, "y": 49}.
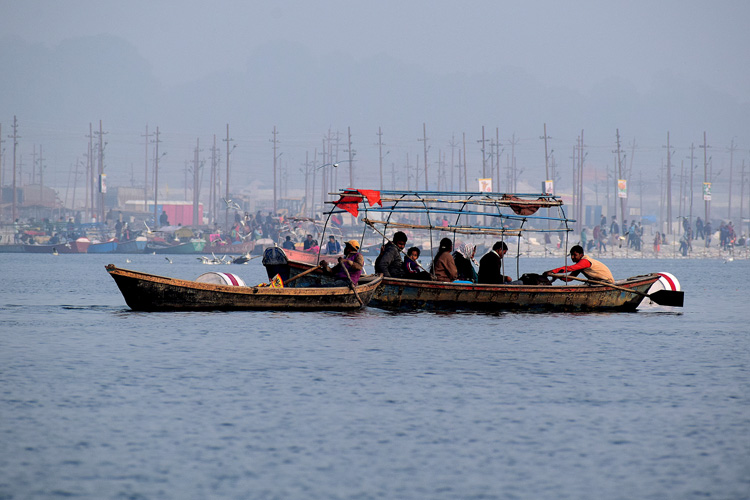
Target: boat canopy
{"x": 477, "y": 213}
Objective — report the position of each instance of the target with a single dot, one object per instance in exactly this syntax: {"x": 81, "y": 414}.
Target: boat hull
{"x": 190, "y": 247}
{"x": 104, "y": 247}
{"x": 80, "y": 245}
{"x": 233, "y": 249}
{"x": 131, "y": 246}
{"x": 412, "y": 295}
{"x": 147, "y": 292}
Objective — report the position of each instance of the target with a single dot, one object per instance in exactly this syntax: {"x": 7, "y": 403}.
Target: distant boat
{"x": 12, "y": 248}
{"x": 103, "y": 247}
{"x": 148, "y": 292}
{"x": 230, "y": 249}
{"x": 137, "y": 245}
{"x": 192, "y": 246}
{"x": 78, "y": 246}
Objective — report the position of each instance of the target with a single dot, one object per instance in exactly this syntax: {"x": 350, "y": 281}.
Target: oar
{"x": 302, "y": 274}
{"x": 672, "y": 298}
{"x": 351, "y": 284}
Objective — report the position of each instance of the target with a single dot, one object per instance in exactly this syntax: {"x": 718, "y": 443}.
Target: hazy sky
{"x": 647, "y": 67}
{"x": 571, "y": 43}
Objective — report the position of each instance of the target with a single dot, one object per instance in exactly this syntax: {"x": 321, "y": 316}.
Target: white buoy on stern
{"x": 666, "y": 281}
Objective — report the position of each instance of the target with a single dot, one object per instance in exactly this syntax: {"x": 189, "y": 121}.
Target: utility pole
{"x": 742, "y": 196}
{"x": 196, "y": 183}
{"x": 424, "y": 140}
{"x": 380, "y": 154}
{"x": 513, "y": 180}
{"x": 466, "y": 185}
{"x": 618, "y": 176}
{"x": 324, "y": 160}
{"x": 408, "y": 173}
{"x": 2, "y": 167}
{"x": 145, "y": 181}
{"x": 731, "y": 150}
{"x": 669, "y": 186}
{"x": 15, "y": 138}
{"x": 706, "y": 202}
{"x": 226, "y": 181}
{"x": 41, "y": 177}
{"x": 453, "y": 145}
{"x": 33, "y": 164}
{"x": 546, "y": 156}
{"x": 156, "y": 179}
{"x": 351, "y": 158}
{"x": 484, "y": 157}
{"x": 307, "y": 179}
{"x": 275, "y": 142}
{"x": 575, "y": 178}
{"x": 581, "y": 158}
{"x": 692, "y": 158}
{"x": 102, "y": 185}
{"x": 90, "y": 175}
{"x": 312, "y": 190}
{"x": 497, "y": 158}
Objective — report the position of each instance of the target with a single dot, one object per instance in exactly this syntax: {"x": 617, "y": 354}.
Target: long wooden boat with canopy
{"x": 499, "y": 216}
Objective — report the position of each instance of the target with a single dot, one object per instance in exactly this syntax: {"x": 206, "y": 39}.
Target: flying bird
{"x": 168, "y": 259}
{"x": 232, "y": 204}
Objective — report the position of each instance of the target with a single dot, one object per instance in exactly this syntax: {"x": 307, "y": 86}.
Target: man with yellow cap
{"x": 354, "y": 263}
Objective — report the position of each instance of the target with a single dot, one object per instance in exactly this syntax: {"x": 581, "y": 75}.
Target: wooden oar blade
{"x": 670, "y": 298}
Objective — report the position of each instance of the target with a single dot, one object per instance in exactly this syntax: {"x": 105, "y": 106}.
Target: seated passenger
{"x": 463, "y": 258}
{"x": 490, "y": 266}
{"x": 412, "y": 269}
{"x": 354, "y": 263}
{"x": 444, "y": 267}
{"x": 389, "y": 262}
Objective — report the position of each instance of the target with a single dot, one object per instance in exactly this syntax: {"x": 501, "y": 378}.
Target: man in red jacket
{"x": 591, "y": 268}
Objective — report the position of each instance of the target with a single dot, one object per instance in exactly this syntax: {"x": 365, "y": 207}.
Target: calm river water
{"x": 98, "y": 402}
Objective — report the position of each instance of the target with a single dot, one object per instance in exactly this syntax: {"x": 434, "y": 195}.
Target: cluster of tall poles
{"x": 333, "y": 165}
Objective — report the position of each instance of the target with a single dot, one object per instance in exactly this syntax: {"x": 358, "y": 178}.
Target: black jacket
{"x": 489, "y": 269}
{"x": 389, "y": 262}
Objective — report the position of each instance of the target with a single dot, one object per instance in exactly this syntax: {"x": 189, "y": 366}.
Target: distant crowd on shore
{"x": 633, "y": 237}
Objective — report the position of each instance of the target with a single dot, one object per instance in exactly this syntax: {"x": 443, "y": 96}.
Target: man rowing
{"x": 349, "y": 267}
{"x": 591, "y": 268}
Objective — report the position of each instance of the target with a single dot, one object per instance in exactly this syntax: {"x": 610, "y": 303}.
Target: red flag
{"x": 372, "y": 196}
{"x": 349, "y": 203}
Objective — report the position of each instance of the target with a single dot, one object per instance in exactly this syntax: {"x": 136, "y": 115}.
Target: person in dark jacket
{"x": 389, "y": 262}
{"x": 490, "y": 266}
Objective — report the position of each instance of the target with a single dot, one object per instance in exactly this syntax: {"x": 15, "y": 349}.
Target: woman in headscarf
{"x": 444, "y": 267}
{"x": 464, "y": 258}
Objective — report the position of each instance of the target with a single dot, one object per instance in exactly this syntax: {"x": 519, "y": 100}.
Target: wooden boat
{"x": 230, "y": 249}
{"x": 148, "y": 292}
{"x": 79, "y": 245}
{"x": 312, "y": 259}
{"x": 408, "y": 294}
{"x": 13, "y": 248}
{"x": 103, "y": 247}
{"x": 190, "y": 247}
{"x": 137, "y": 245}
